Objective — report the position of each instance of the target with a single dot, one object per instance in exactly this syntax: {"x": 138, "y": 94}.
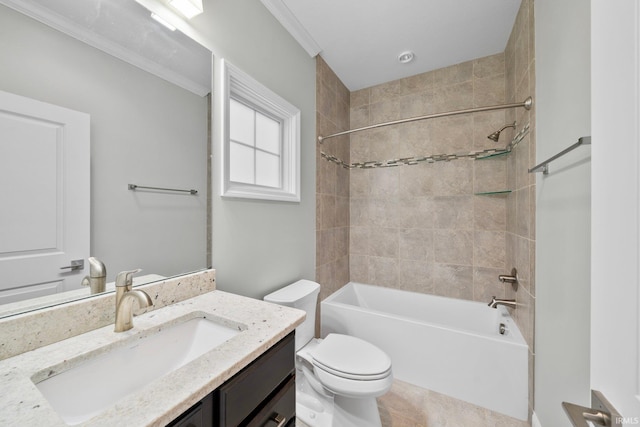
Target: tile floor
{"x": 409, "y": 406}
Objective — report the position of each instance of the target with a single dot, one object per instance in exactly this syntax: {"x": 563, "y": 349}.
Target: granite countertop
{"x": 261, "y": 324}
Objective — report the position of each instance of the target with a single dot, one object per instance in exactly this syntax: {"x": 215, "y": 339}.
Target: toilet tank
{"x": 302, "y": 295}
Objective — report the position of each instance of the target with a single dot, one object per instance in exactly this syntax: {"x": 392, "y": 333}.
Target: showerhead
{"x": 496, "y": 135}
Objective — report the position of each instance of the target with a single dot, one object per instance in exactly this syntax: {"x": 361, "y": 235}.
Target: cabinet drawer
{"x": 245, "y": 393}
{"x": 280, "y": 409}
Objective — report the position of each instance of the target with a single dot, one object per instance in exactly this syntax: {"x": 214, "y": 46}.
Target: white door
{"x": 615, "y": 307}
{"x": 44, "y": 194}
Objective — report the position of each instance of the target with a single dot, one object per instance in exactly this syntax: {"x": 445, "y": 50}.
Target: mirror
{"x": 149, "y": 113}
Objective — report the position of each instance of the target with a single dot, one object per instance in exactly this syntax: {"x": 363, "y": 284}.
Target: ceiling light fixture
{"x": 406, "y": 57}
{"x": 162, "y": 21}
{"x": 189, "y": 8}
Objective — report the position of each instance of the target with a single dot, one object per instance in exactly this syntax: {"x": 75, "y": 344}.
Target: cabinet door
{"x": 199, "y": 415}
{"x": 247, "y": 392}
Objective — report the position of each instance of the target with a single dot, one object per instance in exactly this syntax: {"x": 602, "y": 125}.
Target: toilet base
{"x": 322, "y": 409}
{"x": 350, "y": 412}
{"x": 313, "y": 408}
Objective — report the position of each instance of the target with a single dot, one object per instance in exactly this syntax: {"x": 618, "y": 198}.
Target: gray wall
{"x": 143, "y": 130}
{"x": 259, "y": 246}
{"x": 563, "y": 209}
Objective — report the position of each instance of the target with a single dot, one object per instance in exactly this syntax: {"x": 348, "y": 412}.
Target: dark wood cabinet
{"x": 263, "y": 394}
{"x": 280, "y": 409}
{"x": 252, "y": 389}
{"x": 199, "y": 415}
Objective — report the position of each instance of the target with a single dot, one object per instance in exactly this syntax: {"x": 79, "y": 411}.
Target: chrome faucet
{"x": 495, "y": 302}
{"x": 124, "y": 300}
{"x": 97, "y": 278}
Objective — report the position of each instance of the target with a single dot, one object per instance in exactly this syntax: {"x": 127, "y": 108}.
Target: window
{"x": 261, "y": 142}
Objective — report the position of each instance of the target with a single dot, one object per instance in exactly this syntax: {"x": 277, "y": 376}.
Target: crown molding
{"x": 282, "y": 13}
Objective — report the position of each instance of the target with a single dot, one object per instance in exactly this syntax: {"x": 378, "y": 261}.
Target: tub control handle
{"x": 510, "y": 278}
{"x": 506, "y": 278}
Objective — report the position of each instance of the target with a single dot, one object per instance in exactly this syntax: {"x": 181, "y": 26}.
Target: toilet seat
{"x": 349, "y": 376}
{"x": 351, "y": 367}
{"x": 351, "y": 358}
{"x": 353, "y": 388}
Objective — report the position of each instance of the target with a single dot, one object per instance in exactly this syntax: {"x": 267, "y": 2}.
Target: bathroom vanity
{"x": 245, "y": 377}
{"x": 262, "y": 392}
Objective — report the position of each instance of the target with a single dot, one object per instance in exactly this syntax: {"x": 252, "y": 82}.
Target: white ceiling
{"x": 124, "y": 28}
{"x": 361, "y": 39}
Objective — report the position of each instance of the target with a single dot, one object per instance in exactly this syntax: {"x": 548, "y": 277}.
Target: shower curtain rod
{"x": 527, "y": 103}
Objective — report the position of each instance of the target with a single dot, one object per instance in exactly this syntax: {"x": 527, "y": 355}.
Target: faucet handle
{"x": 513, "y": 278}
{"x": 125, "y": 278}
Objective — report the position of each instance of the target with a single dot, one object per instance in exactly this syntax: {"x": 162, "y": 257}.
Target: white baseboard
{"x": 535, "y": 422}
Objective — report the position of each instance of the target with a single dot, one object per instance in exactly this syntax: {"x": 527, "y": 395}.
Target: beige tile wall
{"x": 421, "y": 228}
{"x": 520, "y": 237}
{"x": 332, "y": 183}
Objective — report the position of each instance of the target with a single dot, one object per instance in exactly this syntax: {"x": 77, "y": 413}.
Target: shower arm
{"x": 526, "y": 104}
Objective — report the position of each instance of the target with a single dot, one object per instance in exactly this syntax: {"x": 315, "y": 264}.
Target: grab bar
{"x": 134, "y": 186}
{"x": 544, "y": 166}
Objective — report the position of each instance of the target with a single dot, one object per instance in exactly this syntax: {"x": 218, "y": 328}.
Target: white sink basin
{"x": 86, "y": 390}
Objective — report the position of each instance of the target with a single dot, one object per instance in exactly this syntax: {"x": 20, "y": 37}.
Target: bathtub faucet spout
{"x": 495, "y": 302}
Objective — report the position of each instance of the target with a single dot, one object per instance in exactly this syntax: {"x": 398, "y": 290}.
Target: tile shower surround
{"x": 521, "y": 204}
{"x": 421, "y": 228}
{"x": 332, "y": 184}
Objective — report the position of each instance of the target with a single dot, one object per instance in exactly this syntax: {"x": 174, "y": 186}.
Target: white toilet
{"x": 339, "y": 377}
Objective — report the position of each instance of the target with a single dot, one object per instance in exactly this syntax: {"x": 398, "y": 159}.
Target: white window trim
{"x": 245, "y": 87}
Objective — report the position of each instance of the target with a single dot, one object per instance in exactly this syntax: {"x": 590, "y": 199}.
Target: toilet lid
{"x": 351, "y": 357}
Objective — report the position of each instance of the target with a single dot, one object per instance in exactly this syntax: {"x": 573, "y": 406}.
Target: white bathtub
{"x": 447, "y": 345}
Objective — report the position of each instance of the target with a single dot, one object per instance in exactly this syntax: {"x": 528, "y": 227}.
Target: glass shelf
{"x": 492, "y": 193}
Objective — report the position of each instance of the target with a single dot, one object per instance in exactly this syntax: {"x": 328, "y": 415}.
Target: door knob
{"x": 600, "y": 418}
{"x": 601, "y": 412}
{"x": 76, "y": 264}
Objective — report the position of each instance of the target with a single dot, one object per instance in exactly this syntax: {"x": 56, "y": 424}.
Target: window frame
{"x": 243, "y": 88}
